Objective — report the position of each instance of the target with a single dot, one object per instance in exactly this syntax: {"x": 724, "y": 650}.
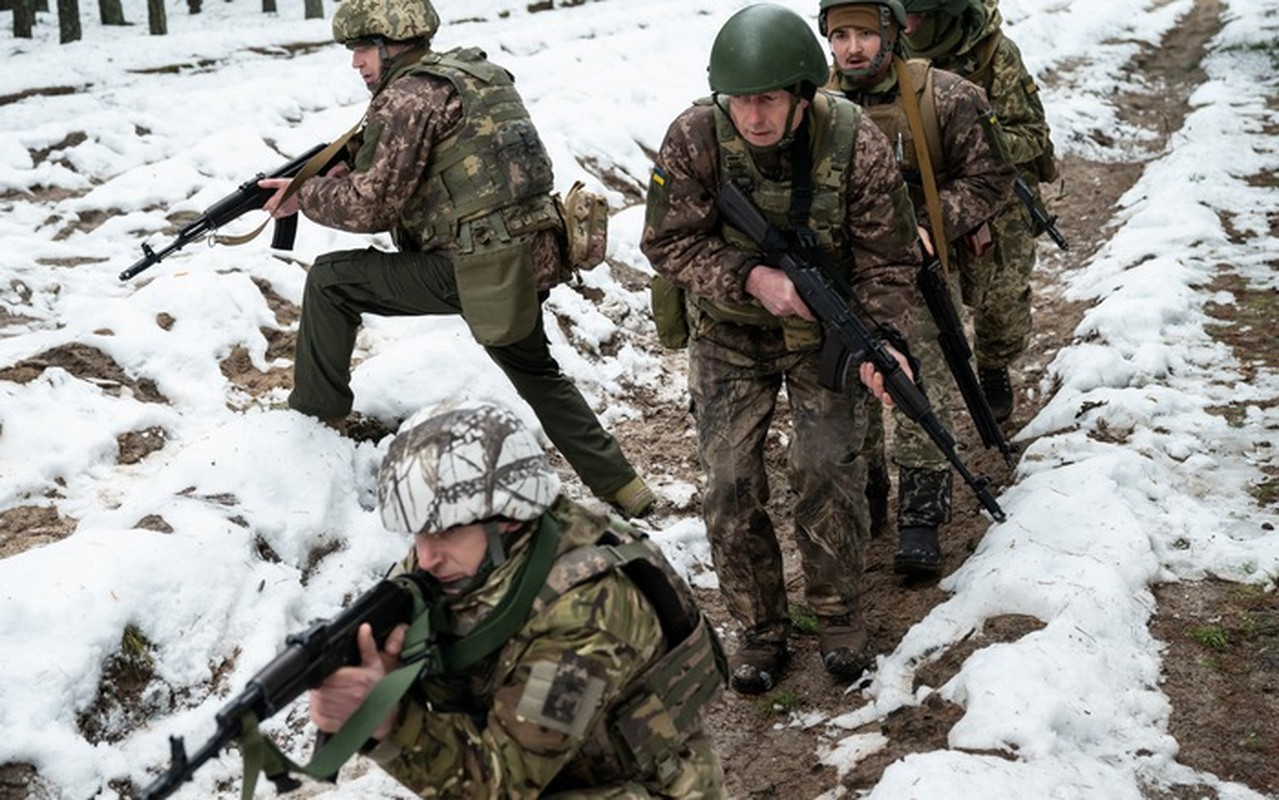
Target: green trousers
{"x": 345, "y": 284}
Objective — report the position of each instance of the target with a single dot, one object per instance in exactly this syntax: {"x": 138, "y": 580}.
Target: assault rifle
{"x": 309, "y": 658}
{"x": 954, "y": 346}
{"x": 834, "y": 306}
{"x": 1043, "y": 223}
{"x": 248, "y": 197}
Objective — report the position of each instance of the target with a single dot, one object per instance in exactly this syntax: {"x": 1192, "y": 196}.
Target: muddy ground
{"x": 1221, "y": 664}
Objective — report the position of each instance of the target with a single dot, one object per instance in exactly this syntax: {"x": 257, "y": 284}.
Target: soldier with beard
{"x": 955, "y": 162}
{"x": 965, "y": 37}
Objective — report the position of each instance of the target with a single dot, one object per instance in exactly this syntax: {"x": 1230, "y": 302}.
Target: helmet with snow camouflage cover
{"x": 765, "y": 47}
{"x": 394, "y": 20}
{"x": 464, "y": 465}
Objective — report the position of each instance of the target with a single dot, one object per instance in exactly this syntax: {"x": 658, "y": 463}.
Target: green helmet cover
{"x": 765, "y": 47}
{"x": 393, "y": 20}
{"x": 952, "y": 7}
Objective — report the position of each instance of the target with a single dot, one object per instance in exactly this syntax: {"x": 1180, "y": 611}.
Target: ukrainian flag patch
{"x": 658, "y": 177}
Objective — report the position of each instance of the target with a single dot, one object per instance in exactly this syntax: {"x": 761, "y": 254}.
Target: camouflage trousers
{"x": 736, "y": 374}
{"x": 343, "y": 285}
{"x": 926, "y": 503}
{"x": 1001, "y": 314}
{"x": 912, "y": 447}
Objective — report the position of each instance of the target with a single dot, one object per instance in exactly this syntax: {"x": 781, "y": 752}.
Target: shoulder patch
{"x": 561, "y": 696}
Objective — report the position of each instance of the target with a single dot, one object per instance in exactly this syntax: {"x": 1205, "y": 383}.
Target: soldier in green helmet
{"x": 955, "y": 162}
{"x": 828, "y": 179}
{"x": 449, "y": 162}
{"x": 965, "y": 37}
{"x": 573, "y": 659}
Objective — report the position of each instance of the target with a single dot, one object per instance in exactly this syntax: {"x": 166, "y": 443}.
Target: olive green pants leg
{"x": 343, "y": 285}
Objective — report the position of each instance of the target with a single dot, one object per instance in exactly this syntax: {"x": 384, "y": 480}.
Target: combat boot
{"x": 757, "y": 666}
{"x": 845, "y": 646}
{"x": 634, "y": 499}
{"x": 923, "y": 505}
{"x": 998, "y": 389}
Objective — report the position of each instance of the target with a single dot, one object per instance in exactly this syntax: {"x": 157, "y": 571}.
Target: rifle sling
{"x": 309, "y": 169}
{"x": 910, "y": 102}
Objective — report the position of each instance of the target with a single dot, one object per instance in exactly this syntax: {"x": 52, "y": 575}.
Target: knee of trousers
{"x": 340, "y": 266}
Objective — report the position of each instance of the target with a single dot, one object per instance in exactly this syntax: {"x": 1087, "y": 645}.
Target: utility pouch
{"x": 670, "y": 313}
{"x": 495, "y": 282}
{"x": 585, "y": 216}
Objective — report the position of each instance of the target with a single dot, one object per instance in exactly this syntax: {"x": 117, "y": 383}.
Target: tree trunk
{"x": 112, "y": 12}
{"x": 156, "y": 18}
{"x": 314, "y": 9}
{"x": 69, "y": 21}
{"x": 195, "y": 6}
{"x": 24, "y": 17}
{"x": 268, "y": 6}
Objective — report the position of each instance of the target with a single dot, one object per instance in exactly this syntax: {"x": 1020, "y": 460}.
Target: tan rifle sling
{"x": 923, "y": 147}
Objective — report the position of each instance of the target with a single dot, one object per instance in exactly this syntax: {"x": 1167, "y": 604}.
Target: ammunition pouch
{"x": 585, "y": 218}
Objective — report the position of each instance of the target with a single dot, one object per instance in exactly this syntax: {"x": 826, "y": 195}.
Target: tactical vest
{"x": 487, "y": 189}
{"x": 648, "y": 725}
{"x": 833, "y": 125}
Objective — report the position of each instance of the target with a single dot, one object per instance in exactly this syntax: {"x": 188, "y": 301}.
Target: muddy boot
{"x": 877, "y": 499}
{"x": 923, "y": 505}
{"x": 757, "y": 666}
{"x": 998, "y": 388}
{"x": 845, "y": 647}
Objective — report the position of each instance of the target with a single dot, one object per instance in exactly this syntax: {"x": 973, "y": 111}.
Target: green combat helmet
{"x": 388, "y": 20}
{"x": 945, "y": 24}
{"x": 952, "y": 7}
{"x": 766, "y": 47}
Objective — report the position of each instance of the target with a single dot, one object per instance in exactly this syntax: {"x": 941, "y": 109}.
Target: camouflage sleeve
{"x": 403, "y": 123}
{"x": 881, "y": 223}
{"x": 978, "y": 181}
{"x": 1015, "y": 96}
{"x": 681, "y": 229}
{"x": 554, "y": 682}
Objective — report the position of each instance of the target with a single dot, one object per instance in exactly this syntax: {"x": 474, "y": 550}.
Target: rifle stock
{"x": 835, "y": 309}
{"x": 247, "y": 197}
{"x": 308, "y": 658}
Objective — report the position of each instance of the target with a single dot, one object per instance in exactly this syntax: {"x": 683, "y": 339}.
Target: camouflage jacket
{"x": 993, "y": 61}
{"x": 970, "y": 162}
{"x": 683, "y": 236}
{"x": 407, "y": 117}
{"x": 533, "y": 717}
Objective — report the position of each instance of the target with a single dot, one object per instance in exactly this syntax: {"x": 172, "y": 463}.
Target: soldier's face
{"x": 913, "y": 21}
{"x": 452, "y": 555}
{"x": 854, "y": 48}
{"x": 366, "y": 60}
{"x": 763, "y": 119}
